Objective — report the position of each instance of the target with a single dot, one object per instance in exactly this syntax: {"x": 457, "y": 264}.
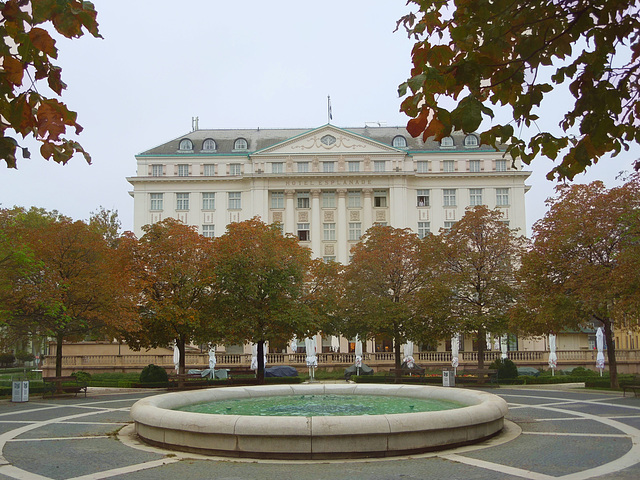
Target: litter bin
{"x": 20, "y": 391}
{"x": 448, "y": 378}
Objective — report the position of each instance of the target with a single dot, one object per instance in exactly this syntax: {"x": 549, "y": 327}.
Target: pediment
{"x": 328, "y": 140}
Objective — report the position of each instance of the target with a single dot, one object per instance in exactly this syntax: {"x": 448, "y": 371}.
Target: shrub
{"x": 582, "y": 372}
{"x": 7, "y": 359}
{"x": 25, "y": 357}
{"x": 506, "y": 368}
{"x": 153, "y": 374}
{"x": 82, "y": 377}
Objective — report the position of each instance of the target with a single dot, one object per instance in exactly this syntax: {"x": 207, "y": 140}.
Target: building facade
{"x": 326, "y": 185}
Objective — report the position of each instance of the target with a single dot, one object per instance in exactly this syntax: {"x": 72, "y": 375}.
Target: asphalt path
{"x": 551, "y": 433}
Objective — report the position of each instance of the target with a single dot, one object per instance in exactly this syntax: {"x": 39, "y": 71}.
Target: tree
{"x": 514, "y": 53}
{"x": 578, "y": 270}
{"x": 473, "y": 265}
{"x": 260, "y": 286}
{"x": 27, "y": 51}
{"x": 171, "y": 276}
{"x": 385, "y": 284}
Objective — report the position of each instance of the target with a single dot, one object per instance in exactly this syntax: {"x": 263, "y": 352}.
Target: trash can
{"x": 448, "y": 378}
{"x": 20, "y": 391}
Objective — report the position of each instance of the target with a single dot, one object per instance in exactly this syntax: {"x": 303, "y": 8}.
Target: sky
{"x": 240, "y": 64}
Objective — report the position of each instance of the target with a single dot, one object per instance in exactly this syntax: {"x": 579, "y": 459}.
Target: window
{"x": 303, "y": 199}
{"x": 156, "y": 170}
{"x": 446, "y": 142}
{"x": 209, "y": 170}
{"x": 240, "y": 144}
{"x": 328, "y": 167}
{"x": 449, "y": 197}
{"x": 209, "y": 145}
{"x": 355, "y": 231}
{"x": 329, "y": 231}
{"x": 399, "y": 142}
{"x": 208, "y": 231}
{"x": 277, "y": 199}
{"x": 156, "y": 201}
{"x": 183, "y": 170}
{"x": 354, "y": 199}
{"x": 380, "y": 198}
{"x": 423, "y": 198}
{"x": 303, "y": 167}
{"x": 502, "y": 196}
{"x": 303, "y": 232}
{"x": 329, "y": 199}
{"x": 424, "y": 228}
{"x": 423, "y": 166}
{"x": 186, "y": 144}
{"x": 329, "y": 258}
{"x": 235, "y": 169}
{"x": 448, "y": 166}
{"x": 501, "y": 165}
{"x": 277, "y": 167}
{"x": 448, "y": 225}
{"x": 470, "y": 141}
{"x": 379, "y": 165}
{"x": 208, "y": 201}
{"x": 235, "y": 200}
{"x": 474, "y": 165}
{"x": 475, "y": 196}
{"x": 182, "y": 201}
{"x": 354, "y": 166}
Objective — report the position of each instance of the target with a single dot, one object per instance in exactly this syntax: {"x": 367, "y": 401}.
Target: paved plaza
{"x": 551, "y": 433}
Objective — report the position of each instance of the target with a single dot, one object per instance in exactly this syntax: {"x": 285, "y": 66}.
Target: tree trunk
{"x": 611, "y": 353}
{"x": 59, "y": 340}
{"x": 398, "y": 359}
{"x": 180, "y": 343}
{"x": 482, "y": 345}
{"x": 260, "y": 372}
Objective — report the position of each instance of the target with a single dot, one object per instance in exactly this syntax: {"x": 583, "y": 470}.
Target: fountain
{"x": 321, "y": 437}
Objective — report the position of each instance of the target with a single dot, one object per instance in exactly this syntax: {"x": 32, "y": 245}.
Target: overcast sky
{"x": 240, "y": 64}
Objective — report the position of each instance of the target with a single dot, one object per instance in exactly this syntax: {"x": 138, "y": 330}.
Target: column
{"x": 316, "y": 224}
{"x": 289, "y": 212}
{"x": 367, "y": 213}
{"x": 342, "y": 247}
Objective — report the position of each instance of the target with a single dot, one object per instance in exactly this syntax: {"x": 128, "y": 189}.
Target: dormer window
{"x": 446, "y": 142}
{"x": 399, "y": 142}
{"x": 240, "y": 144}
{"x": 186, "y": 144}
{"x": 471, "y": 141}
{"x": 209, "y": 145}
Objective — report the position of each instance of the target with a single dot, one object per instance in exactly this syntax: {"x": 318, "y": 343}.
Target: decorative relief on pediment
{"x": 329, "y": 249}
{"x": 381, "y": 216}
{"x": 316, "y": 142}
{"x": 354, "y": 215}
{"x": 303, "y": 216}
{"x": 329, "y": 216}
{"x": 277, "y": 217}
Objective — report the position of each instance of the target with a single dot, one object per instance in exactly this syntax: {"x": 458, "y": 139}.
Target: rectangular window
{"x": 235, "y": 169}
{"x": 354, "y": 166}
{"x": 354, "y": 199}
{"x": 303, "y": 232}
{"x": 329, "y": 199}
{"x": 303, "y": 167}
{"x": 502, "y": 196}
{"x": 474, "y": 165}
{"x": 379, "y": 165}
{"x": 277, "y": 199}
{"x": 424, "y": 228}
{"x": 423, "y": 166}
{"x": 277, "y": 167}
{"x": 380, "y": 198}
{"x": 475, "y": 196}
{"x": 183, "y": 170}
{"x": 209, "y": 170}
{"x": 501, "y": 165}
{"x": 156, "y": 170}
{"x": 156, "y": 201}
{"x": 208, "y": 201}
{"x": 423, "y": 198}
{"x": 302, "y": 199}
{"x": 448, "y": 166}
{"x": 235, "y": 200}
{"x": 182, "y": 201}
{"x": 208, "y": 231}
{"x": 329, "y": 231}
{"x": 355, "y": 231}
{"x": 328, "y": 167}
{"x": 329, "y": 258}
{"x": 449, "y": 197}
{"x": 448, "y": 225}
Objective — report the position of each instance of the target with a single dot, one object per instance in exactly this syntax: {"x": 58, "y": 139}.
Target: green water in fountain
{"x": 321, "y": 405}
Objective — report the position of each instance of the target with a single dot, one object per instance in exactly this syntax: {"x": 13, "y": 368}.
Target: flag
{"x": 329, "y": 107}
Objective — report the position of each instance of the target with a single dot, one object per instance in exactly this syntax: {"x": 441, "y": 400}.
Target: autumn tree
{"x": 385, "y": 284}
{"x": 323, "y": 293}
{"x": 260, "y": 286}
{"x": 171, "y": 274}
{"x": 473, "y": 265}
{"x": 578, "y": 270}
{"x": 512, "y": 54}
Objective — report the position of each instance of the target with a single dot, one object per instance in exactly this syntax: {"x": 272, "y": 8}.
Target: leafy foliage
{"x": 27, "y": 52}
{"x": 506, "y": 368}
{"x": 513, "y": 54}
{"x": 153, "y": 374}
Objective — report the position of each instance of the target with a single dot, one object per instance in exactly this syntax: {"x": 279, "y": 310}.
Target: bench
{"x": 406, "y": 372}
{"x": 240, "y": 371}
{"x": 633, "y": 387}
{"x": 69, "y": 384}
{"x": 188, "y": 380}
{"x": 481, "y": 373}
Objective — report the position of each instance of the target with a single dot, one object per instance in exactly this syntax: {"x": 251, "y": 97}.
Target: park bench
{"x": 632, "y": 387}
{"x": 240, "y": 371}
{"x": 187, "y": 380}
{"x": 68, "y": 384}
{"x": 481, "y": 373}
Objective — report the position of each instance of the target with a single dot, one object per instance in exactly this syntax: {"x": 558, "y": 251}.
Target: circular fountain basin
{"x": 289, "y": 437}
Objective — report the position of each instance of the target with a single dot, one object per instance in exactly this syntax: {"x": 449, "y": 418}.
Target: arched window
{"x": 186, "y": 144}
{"x": 240, "y": 144}
{"x": 470, "y": 141}
{"x": 399, "y": 142}
{"x": 209, "y": 144}
{"x": 446, "y": 142}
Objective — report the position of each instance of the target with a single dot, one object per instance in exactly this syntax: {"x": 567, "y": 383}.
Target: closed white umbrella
{"x": 176, "y": 356}
{"x": 335, "y": 343}
{"x": 312, "y": 359}
{"x": 358, "y": 353}
{"x": 254, "y": 355}
{"x": 553, "y": 358}
{"x": 455, "y": 347}
{"x": 408, "y": 354}
{"x": 212, "y": 357}
{"x": 600, "y": 347}
{"x": 488, "y": 341}
{"x": 294, "y": 344}
{"x": 503, "y": 346}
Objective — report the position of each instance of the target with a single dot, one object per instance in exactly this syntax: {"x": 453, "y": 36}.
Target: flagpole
{"x": 329, "y": 116}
